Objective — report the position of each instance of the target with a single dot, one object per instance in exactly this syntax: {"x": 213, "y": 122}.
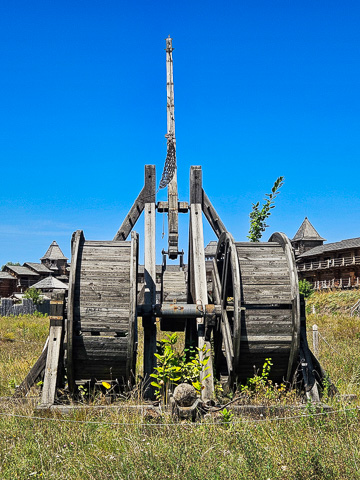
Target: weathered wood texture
{"x": 197, "y": 271}
{"x": 102, "y": 309}
{"x": 146, "y": 195}
{"x": 212, "y": 216}
{"x": 53, "y": 367}
{"x": 173, "y": 290}
{"x": 268, "y": 326}
{"x": 149, "y": 359}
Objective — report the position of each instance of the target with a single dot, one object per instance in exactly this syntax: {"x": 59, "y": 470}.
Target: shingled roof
{"x": 331, "y": 247}
{"x": 307, "y": 232}
{"x": 19, "y": 270}
{"x": 50, "y": 283}
{"x": 38, "y": 267}
{"x": 54, "y": 253}
{"x": 6, "y": 276}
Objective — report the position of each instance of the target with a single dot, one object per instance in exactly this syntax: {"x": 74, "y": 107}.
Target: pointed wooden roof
{"x": 54, "y": 253}
{"x": 307, "y": 232}
{"x": 50, "y": 282}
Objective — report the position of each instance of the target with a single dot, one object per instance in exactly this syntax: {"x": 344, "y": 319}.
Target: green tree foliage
{"x": 305, "y": 288}
{"x": 259, "y": 215}
{"x": 34, "y": 294}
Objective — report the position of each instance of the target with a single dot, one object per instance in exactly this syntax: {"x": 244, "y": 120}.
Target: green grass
{"x": 125, "y": 445}
{"x": 336, "y": 302}
{"x": 22, "y": 339}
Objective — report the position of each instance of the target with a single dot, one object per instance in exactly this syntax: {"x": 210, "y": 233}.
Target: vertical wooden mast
{"x": 172, "y": 187}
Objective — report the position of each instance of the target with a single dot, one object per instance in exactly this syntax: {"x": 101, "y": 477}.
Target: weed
{"x": 178, "y": 367}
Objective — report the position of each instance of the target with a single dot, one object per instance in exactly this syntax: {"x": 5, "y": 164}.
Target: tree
{"x": 34, "y": 295}
{"x": 305, "y": 288}
{"x": 258, "y": 216}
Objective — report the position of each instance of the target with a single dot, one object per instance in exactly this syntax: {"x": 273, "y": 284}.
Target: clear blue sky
{"x": 262, "y": 89}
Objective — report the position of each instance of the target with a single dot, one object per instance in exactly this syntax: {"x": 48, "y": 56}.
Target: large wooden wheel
{"x": 101, "y": 324}
{"x": 258, "y": 290}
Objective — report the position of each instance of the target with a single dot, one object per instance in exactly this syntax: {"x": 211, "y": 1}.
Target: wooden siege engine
{"x": 244, "y": 307}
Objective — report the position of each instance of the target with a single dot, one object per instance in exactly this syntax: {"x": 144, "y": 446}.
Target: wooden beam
{"x": 54, "y": 347}
{"x": 198, "y": 283}
{"x": 147, "y": 195}
{"x": 132, "y": 345}
{"x": 150, "y": 278}
{"x": 163, "y": 207}
{"x": 212, "y": 215}
{"x": 76, "y": 240}
{"x": 131, "y": 218}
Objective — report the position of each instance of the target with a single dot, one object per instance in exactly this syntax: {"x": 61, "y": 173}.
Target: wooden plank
{"x": 119, "y": 292}
{"x": 258, "y": 245}
{"x": 132, "y": 217}
{"x": 267, "y": 339}
{"x": 149, "y": 359}
{"x": 277, "y": 290}
{"x": 76, "y": 240}
{"x": 51, "y": 368}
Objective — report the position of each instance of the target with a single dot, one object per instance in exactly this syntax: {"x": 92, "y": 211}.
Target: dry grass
{"x": 124, "y": 445}
{"x": 22, "y": 339}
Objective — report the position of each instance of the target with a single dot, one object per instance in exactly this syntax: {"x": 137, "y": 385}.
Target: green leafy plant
{"x": 305, "y": 288}
{"x": 259, "y": 215}
{"x": 178, "y": 367}
{"x": 226, "y": 416}
{"x": 34, "y": 295}
{"x": 260, "y": 387}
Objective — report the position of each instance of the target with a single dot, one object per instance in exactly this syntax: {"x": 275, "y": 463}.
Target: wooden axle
{"x": 175, "y": 310}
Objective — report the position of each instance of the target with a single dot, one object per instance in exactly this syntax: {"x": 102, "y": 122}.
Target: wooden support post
{"x": 149, "y": 275}
{"x": 315, "y": 340}
{"x": 173, "y": 233}
{"x": 76, "y": 241}
{"x": 311, "y": 387}
{"x": 198, "y": 286}
{"x": 54, "y": 347}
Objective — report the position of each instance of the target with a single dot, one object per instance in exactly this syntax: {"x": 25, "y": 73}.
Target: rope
{"x": 170, "y": 163}
{"x": 126, "y": 424}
